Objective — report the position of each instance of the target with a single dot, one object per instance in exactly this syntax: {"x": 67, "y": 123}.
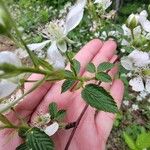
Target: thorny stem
{"x": 71, "y": 63}
{"x": 75, "y": 128}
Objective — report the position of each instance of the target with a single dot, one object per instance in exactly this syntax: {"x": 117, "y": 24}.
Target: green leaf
{"x": 129, "y": 141}
{"x": 105, "y": 66}
{"x": 22, "y": 132}
{"x": 5, "y": 121}
{"x": 76, "y": 65}
{"x": 60, "y": 115}
{"x": 91, "y": 68}
{"x": 69, "y": 74}
{"x": 67, "y": 85}
{"x": 53, "y": 109}
{"x": 39, "y": 140}
{"x": 104, "y": 77}
{"x": 99, "y": 98}
{"x": 143, "y": 140}
{"x": 22, "y": 147}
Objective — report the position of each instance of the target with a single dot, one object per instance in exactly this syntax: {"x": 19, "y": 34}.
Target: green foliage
{"x": 56, "y": 115}
{"x": 143, "y": 140}
{"x": 99, "y": 98}
{"x": 104, "y": 77}
{"x": 129, "y": 141}
{"x": 53, "y": 110}
{"x": 91, "y": 68}
{"x": 22, "y": 147}
{"x": 37, "y": 140}
{"x": 137, "y": 138}
{"x": 105, "y": 66}
{"x": 67, "y": 85}
{"x": 75, "y": 66}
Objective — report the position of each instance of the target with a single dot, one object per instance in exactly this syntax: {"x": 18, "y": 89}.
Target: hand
{"x": 93, "y": 130}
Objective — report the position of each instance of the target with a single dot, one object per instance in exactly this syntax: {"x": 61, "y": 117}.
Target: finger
{"x": 84, "y": 56}
{"x": 104, "y": 121}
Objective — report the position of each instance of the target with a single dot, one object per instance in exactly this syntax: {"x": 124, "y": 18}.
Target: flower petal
{"x": 54, "y": 57}
{"x": 38, "y": 46}
{"x": 10, "y": 58}
{"x": 146, "y": 25}
{"x": 126, "y": 30}
{"x": 137, "y": 84}
{"x": 6, "y": 88}
{"x": 127, "y": 63}
{"x": 147, "y": 85}
{"x": 52, "y": 129}
{"x": 75, "y": 15}
{"x": 139, "y": 58}
{"x": 105, "y": 3}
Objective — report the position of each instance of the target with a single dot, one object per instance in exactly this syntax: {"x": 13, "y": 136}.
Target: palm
{"x": 93, "y": 130}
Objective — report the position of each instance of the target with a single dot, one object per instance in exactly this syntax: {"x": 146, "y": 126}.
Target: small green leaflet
{"x": 104, "y": 77}
{"x": 105, "y": 66}
{"x": 39, "y": 140}
{"x": 69, "y": 74}
{"x": 22, "y": 147}
{"x": 143, "y": 140}
{"x": 91, "y": 68}
{"x": 60, "y": 115}
{"x": 99, "y": 98}
{"x": 76, "y": 65}
{"x": 53, "y": 110}
{"x": 56, "y": 114}
{"x": 67, "y": 85}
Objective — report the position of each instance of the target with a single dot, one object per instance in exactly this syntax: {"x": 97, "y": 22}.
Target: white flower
{"x": 52, "y": 129}
{"x": 104, "y": 3}
{"x": 57, "y": 34}
{"x": 126, "y": 103}
{"x": 42, "y": 120}
{"x": 54, "y": 57}
{"x": 137, "y": 61}
{"x": 8, "y": 86}
{"x": 135, "y": 107}
{"x": 145, "y": 23}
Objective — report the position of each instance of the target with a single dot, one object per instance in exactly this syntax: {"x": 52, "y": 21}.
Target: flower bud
{"x": 132, "y": 21}
{"x": 139, "y": 41}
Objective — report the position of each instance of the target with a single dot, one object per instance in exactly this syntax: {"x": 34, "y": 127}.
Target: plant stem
{"x": 75, "y": 128}
{"x": 71, "y": 64}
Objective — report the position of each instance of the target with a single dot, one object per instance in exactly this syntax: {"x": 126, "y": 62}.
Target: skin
{"x": 93, "y": 130}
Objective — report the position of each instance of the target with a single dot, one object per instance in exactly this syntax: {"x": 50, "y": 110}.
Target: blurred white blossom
{"x": 135, "y": 107}
{"x": 52, "y": 129}
{"x": 103, "y": 3}
{"x": 7, "y": 86}
{"x": 137, "y": 61}
{"x": 56, "y": 32}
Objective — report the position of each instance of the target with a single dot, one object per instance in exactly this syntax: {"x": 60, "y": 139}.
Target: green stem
{"x": 71, "y": 63}
{"x": 132, "y": 33}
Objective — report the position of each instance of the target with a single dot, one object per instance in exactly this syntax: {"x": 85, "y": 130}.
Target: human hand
{"x": 93, "y": 130}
